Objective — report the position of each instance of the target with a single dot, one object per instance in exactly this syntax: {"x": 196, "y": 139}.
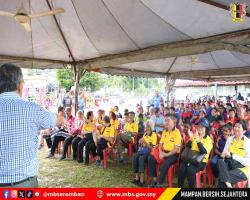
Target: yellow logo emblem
{"x": 238, "y": 11}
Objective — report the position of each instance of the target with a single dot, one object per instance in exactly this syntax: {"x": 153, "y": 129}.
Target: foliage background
{"x": 96, "y": 81}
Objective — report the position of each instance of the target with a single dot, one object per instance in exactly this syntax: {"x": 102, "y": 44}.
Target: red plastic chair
{"x": 210, "y": 175}
{"x": 170, "y": 174}
{"x": 200, "y": 174}
{"x": 147, "y": 173}
{"x": 241, "y": 184}
{"x": 58, "y": 149}
{"x": 105, "y": 156}
{"x": 171, "y": 171}
{"x": 130, "y": 147}
{"x": 69, "y": 151}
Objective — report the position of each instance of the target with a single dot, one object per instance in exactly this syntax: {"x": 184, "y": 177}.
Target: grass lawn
{"x": 69, "y": 173}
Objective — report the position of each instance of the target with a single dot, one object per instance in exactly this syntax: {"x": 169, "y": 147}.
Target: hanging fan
{"x": 24, "y": 18}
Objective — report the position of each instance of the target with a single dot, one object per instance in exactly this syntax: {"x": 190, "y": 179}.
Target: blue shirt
{"x": 221, "y": 144}
{"x": 20, "y": 122}
{"x": 158, "y": 120}
{"x": 156, "y": 101}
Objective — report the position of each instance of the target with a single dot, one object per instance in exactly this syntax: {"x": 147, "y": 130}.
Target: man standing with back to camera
{"x": 20, "y": 122}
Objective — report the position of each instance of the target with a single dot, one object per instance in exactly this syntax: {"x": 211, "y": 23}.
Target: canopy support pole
{"x": 169, "y": 81}
{"x": 79, "y": 73}
{"x": 76, "y": 88}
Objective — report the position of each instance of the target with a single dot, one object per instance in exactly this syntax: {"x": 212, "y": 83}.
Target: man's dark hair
{"x": 232, "y": 110}
{"x": 171, "y": 116}
{"x": 113, "y": 116}
{"x": 140, "y": 115}
{"x": 243, "y": 124}
{"x": 60, "y": 109}
{"x": 89, "y": 114}
{"x": 106, "y": 119}
{"x": 126, "y": 114}
{"x": 126, "y": 110}
{"x": 10, "y": 77}
{"x": 157, "y": 110}
{"x": 172, "y": 108}
{"x": 131, "y": 113}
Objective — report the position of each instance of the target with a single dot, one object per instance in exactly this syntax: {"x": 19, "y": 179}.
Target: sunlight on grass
{"x": 68, "y": 173}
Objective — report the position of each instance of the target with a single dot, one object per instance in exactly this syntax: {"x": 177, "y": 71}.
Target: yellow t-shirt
{"x": 131, "y": 127}
{"x": 115, "y": 123}
{"x": 108, "y": 131}
{"x": 237, "y": 147}
{"x": 98, "y": 120}
{"x": 207, "y": 143}
{"x": 170, "y": 139}
{"x": 88, "y": 127}
{"x": 150, "y": 139}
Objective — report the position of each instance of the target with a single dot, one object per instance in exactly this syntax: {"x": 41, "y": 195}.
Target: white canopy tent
{"x": 189, "y": 39}
{"x": 130, "y": 37}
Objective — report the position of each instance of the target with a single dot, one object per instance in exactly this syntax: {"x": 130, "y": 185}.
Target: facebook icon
{"x": 6, "y": 194}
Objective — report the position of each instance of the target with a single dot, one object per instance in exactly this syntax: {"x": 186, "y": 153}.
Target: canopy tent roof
{"x": 132, "y": 37}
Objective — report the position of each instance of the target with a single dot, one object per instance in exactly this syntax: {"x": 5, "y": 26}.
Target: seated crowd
{"x": 162, "y": 138}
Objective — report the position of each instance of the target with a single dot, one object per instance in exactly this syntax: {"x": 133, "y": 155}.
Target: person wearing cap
{"x": 234, "y": 167}
{"x": 220, "y": 144}
{"x": 127, "y": 135}
{"x": 199, "y": 118}
{"x": 202, "y": 143}
{"x": 169, "y": 149}
{"x": 140, "y": 159}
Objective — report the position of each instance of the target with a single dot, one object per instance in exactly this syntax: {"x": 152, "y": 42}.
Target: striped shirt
{"x": 20, "y": 122}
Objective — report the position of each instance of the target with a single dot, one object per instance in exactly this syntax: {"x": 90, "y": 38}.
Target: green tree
{"x": 95, "y": 81}
{"x": 92, "y": 80}
{"x": 65, "y": 78}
